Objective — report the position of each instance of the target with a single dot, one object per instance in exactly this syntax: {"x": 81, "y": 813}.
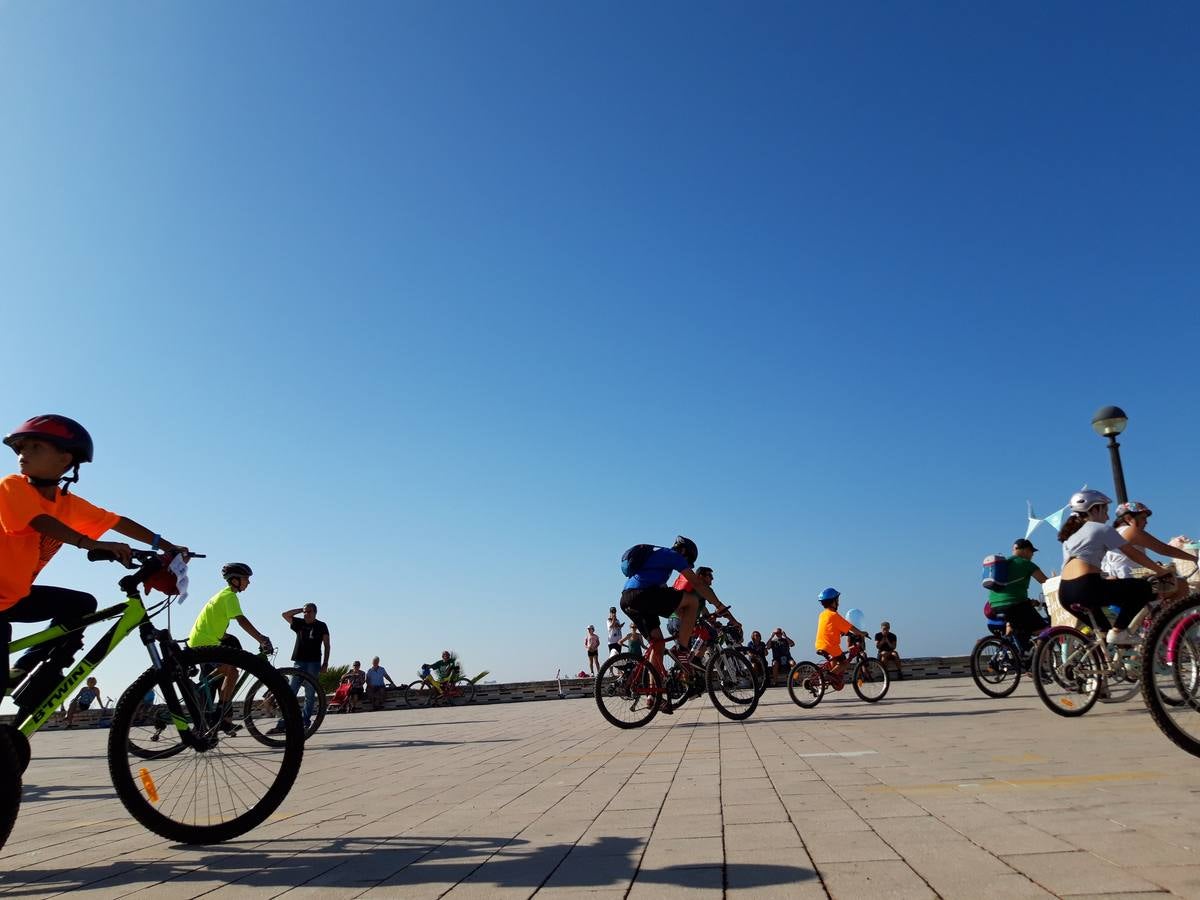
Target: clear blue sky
{"x": 428, "y": 311}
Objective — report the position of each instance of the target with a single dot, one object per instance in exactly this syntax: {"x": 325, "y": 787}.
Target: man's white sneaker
{"x": 1121, "y": 638}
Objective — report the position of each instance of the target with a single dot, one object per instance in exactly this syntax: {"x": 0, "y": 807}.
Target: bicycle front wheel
{"x": 871, "y": 680}
{"x": 1068, "y": 672}
{"x": 418, "y": 694}
{"x": 995, "y": 666}
{"x": 731, "y": 684}
{"x": 628, "y": 690}
{"x": 760, "y": 673}
{"x": 806, "y": 684}
{"x": 216, "y": 783}
{"x": 10, "y": 784}
{"x": 261, "y": 711}
{"x": 1171, "y": 688}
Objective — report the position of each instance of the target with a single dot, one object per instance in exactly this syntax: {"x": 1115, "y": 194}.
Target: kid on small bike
{"x": 37, "y": 516}
{"x": 222, "y": 608}
{"x": 830, "y": 628}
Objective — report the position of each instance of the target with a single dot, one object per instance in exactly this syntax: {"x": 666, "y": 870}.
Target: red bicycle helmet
{"x": 65, "y": 434}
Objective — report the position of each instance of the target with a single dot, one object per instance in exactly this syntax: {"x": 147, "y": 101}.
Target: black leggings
{"x": 62, "y": 607}
{"x": 1095, "y": 591}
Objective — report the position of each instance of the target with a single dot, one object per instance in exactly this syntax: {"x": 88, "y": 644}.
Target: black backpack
{"x": 634, "y": 558}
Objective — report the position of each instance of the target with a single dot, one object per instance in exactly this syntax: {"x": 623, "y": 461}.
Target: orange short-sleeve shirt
{"x": 23, "y": 551}
{"x": 830, "y": 628}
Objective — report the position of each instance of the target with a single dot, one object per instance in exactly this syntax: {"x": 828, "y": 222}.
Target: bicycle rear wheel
{"x": 995, "y": 666}
{"x": 1172, "y": 691}
{"x": 806, "y": 684}
{"x": 870, "y": 679}
{"x": 731, "y": 684}
{"x": 153, "y": 734}
{"x": 261, "y": 711}
{"x": 1068, "y": 672}
{"x": 628, "y": 690}
{"x": 216, "y": 783}
{"x": 466, "y": 688}
{"x": 10, "y": 785}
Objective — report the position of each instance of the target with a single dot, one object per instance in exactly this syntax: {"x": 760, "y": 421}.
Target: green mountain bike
{"x": 203, "y": 778}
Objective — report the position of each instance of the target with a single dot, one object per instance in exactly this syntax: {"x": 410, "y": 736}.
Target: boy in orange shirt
{"x": 38, "y": 516}
{"x": 830, "y": 628}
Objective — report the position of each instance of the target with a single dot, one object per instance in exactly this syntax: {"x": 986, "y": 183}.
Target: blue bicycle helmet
{"x": 828, "y": 594}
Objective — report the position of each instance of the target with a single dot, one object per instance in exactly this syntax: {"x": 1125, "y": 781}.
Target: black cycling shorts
{"x": 228, "y": 640}
{"x": 646, "y": 606}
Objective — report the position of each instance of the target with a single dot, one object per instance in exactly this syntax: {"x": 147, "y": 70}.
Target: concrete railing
{"x": 568, "y": 689}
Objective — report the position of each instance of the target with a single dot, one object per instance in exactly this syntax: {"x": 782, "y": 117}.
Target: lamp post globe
{"x": 1109, "y": 421}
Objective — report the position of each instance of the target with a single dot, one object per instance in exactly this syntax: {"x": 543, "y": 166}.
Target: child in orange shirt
{"x": 830, "y": 628}
{"x": 37, "y": 516}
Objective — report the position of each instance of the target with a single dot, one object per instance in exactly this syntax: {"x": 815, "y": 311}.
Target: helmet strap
{"x": 68, "y": 480}
{"x": 65, "y": 480}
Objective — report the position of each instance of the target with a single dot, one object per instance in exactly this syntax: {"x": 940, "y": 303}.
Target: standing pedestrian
{"x": 614, "y": 632}
{"x": 311, "y": 655}
{"x": 591, "y": 641}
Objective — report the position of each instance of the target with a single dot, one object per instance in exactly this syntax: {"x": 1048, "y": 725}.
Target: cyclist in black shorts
{"x": 646, "y": 597}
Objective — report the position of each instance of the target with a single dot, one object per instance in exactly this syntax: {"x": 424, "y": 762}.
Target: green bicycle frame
{"x": 129, "y": 615}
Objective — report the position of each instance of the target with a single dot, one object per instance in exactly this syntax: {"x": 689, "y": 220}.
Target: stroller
{"x": 341, "y": 698}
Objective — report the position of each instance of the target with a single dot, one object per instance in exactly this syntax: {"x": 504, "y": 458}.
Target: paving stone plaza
{"x": 936, "y": 791}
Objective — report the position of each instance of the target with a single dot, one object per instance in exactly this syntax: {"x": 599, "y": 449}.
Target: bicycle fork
{"x": 190, "y": 710}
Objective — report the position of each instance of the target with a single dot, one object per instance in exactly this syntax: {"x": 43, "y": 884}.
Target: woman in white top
{"x": 1086, "y": 536}
{"x": 614, "y": 632}
{"x": 1130, "y": 521}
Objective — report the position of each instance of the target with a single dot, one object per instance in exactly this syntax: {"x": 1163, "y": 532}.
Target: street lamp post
{"x": 1108, "y": 422}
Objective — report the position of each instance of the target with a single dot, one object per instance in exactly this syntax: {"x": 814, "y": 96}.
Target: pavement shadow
{"x": 859, "y": 714}
{"x": 327, "y": 727}
{"x": 35, "y": 793}
{"x": 371, "y": 745}
{"x": 384, "y": 862}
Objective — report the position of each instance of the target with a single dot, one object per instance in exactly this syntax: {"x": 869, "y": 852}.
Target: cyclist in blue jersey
{"x": 646, "y": 598}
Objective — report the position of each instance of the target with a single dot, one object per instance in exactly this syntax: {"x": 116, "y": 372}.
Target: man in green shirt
{"x": 1013, "y": 602}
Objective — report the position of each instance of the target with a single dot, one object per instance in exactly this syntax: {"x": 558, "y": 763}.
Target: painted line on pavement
{"x": 845, "y": 754}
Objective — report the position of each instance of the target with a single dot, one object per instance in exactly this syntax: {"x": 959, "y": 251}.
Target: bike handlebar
{"x": 142, "y": 557}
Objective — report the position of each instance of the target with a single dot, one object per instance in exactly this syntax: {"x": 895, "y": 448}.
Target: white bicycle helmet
{"x": 1082, "y": 501}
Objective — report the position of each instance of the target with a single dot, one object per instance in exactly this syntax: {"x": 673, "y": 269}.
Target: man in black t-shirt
{"x": 310, "y": 655}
